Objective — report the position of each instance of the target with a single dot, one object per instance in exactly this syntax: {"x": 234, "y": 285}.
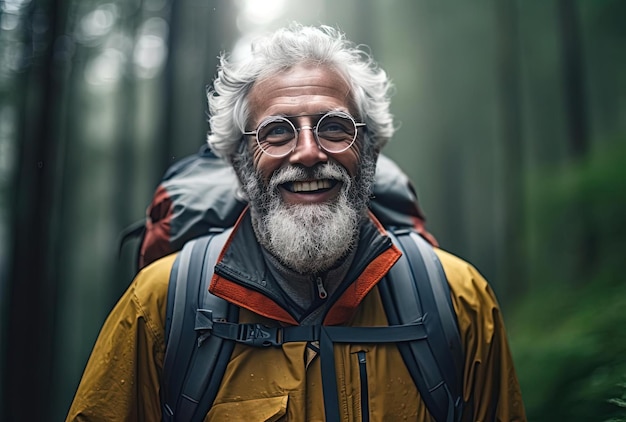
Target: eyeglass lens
{"x": 335, "y": 132}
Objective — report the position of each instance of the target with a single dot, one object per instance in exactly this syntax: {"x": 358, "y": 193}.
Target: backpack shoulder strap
{"x": 194, "y": 364}
{"x": 416, "y": 287}
{"x": 414, "y": 293}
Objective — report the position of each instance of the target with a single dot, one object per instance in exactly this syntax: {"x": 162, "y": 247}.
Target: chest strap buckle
{"x": 258, "y": 335}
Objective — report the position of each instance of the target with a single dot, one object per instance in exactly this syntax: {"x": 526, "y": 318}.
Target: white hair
{"x": 282, "y": 50}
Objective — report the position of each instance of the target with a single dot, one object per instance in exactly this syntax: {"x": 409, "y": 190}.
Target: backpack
{"x": 194, "y": 208}
{"x": 199, "y": 193}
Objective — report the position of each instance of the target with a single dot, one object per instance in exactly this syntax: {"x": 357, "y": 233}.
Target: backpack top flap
{"x": 196, "y": 194}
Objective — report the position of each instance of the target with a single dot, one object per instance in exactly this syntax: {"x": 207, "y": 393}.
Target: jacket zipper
{"x": 226, "y": 272}
{"x": 321, "y": 291}
{"x": 365, "y": 408}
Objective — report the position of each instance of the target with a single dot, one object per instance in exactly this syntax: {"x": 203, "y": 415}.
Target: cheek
{"x": 264, "y": 164}
{"x": 350, "y": 160}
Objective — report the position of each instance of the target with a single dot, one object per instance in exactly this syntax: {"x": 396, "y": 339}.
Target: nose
{"x": 307, "y": 152}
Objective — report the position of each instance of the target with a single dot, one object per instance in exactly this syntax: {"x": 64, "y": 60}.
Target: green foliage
{"x": 620, "y": 402}
{"x": 569, "y": 346}
{"x": 577, "y": 213}
{"x": 568, "y": 336}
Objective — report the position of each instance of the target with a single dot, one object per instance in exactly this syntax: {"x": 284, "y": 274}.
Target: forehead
{"x": 303, "y": 89}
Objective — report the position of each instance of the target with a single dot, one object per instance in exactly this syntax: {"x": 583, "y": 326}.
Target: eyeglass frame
{"x": 313, "y": 129}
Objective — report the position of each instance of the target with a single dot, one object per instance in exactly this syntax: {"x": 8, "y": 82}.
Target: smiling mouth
{"x": 310, "y": 186}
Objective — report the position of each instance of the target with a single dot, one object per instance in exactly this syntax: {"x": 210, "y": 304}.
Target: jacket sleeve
{"x": 490, "y": 386}
{"x": 121, "y": 379}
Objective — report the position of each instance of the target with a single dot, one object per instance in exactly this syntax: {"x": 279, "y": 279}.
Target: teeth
{"x": 311, "y": 185}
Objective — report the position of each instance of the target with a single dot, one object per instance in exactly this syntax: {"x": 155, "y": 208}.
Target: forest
{"x": 511, "y": 121}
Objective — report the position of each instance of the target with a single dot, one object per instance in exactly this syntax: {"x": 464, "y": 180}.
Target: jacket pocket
{"x": 269, "y": 409}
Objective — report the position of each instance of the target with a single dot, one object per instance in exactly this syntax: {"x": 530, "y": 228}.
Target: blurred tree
{"x": 573, "y": 78}
{"x": 576, "y": 121}
{"x": 81, "y": 180}
{"x": 125, "y": 132}
{"x": 29, "y": 334}
{"x": 198, "y": 33}
{"x": 512, "y": 159}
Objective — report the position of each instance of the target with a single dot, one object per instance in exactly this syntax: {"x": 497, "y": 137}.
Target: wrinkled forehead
{"x": 303, "y": 89}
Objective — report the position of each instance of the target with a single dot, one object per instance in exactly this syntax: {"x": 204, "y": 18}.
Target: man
{"x": 302, "y": 120}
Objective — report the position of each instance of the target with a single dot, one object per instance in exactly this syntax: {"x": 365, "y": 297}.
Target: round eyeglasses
{"x": 334, "y": 132}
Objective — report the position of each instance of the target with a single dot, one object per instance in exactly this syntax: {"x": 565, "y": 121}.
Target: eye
{"x": 335, "y": 128}
{"x": 276, "y": 132}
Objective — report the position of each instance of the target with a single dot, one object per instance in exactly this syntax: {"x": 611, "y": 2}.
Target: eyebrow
{"x": 321, "y": 113}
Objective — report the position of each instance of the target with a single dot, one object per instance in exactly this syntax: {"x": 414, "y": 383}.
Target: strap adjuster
{"x": 259, "y": 335}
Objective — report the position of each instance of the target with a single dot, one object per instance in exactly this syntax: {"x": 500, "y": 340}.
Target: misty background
{"x": 511, "y": 122}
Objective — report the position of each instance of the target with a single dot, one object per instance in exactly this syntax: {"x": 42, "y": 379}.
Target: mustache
{"x": 298, "y": 173}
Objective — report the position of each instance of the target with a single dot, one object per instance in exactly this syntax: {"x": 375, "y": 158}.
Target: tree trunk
{"x": 33, "y": 275}
{"x": 577, "y": 128}
{"x": 512, "y": 160}
{"x": 573, "y": 79}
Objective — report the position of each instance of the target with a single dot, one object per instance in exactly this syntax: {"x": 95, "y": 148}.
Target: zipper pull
{"x": 321, "y": 291}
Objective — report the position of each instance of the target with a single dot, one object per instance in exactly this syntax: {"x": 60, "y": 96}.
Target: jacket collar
{"x": 242, "y": 277}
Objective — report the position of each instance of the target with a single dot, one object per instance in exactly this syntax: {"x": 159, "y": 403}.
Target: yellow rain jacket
{"x": 121, "y": 380}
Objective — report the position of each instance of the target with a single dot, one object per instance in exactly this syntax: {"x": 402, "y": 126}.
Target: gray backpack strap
{"x": 194, "y": 362}
{"x": 416, "y": 289}
{"x": 415, "y": 295}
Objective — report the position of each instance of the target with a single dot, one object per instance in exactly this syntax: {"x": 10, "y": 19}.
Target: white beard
{"x": 310, "y": 238}
{"x": 307, "y": 238}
